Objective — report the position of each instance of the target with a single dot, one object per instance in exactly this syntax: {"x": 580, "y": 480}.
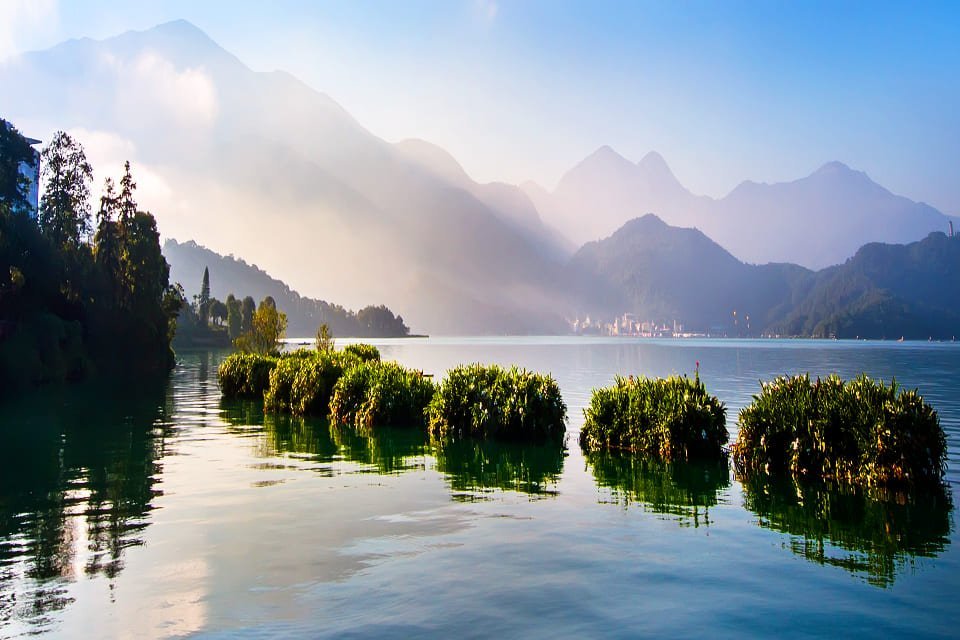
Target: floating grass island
{"x": 860, "y": 432}
{"x": 381, "y": 393}
{"x": 669, "y": 418}
{"x": 501, "y": 404}
{"x": 355, "y": 387}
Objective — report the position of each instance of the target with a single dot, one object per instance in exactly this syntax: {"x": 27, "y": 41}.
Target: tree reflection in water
{"x": 874, "y": 535}
{"x": 78, "y": 471}
{"x": 683, "y": 490}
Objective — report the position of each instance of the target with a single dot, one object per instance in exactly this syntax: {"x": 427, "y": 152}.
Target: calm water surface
{"x": 159, "y": 510}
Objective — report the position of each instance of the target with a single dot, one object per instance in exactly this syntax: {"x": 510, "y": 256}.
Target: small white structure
{"x": 31, "y": 171}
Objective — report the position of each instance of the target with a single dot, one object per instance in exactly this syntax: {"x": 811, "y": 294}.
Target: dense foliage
{"x": 315, "y": 379}
{"x": 861, "y": 432}
{"x": 381, "y": 393}
{"x": 245, "y": 375}
{"x": 492, "y": 402}
{"x": 671, "y": 418}
{"x": 74, "y": 296}
{"x": 366, "y": 352}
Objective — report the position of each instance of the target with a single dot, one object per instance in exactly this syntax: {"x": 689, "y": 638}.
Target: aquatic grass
{"x": 315, "y": 379}
{"x": 277, "y": 395}
{"x": 365, "y": 352}
{"x": 492, "y": 402}
{"x": 245, "y": 375}
{"x": 375, "y": 393}
{"x": 669, "y": 418}
{"x": 861, "y": 432}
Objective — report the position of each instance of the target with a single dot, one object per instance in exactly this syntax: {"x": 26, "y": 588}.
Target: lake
{"x": 158, "y": 510}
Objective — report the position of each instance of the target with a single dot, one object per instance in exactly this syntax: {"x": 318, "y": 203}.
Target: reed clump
{"x": 364, "y": 352}
{"x": 861, "y": 432}
{"x": 381, "y": 393}
{"x": 669, "y": 418}
{"x": 245, "y": 375}
{"x": 497, "y": 403}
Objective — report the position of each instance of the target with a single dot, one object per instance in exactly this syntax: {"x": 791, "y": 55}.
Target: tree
{"x": 203, "y": 304}
{"x": 14, "y": 150}
{"x": 247, "y": 308}
{"x": 234, "y": 317}
{"x": 268, "y": 329}
{"x": 65, "y": 205}
{"x": 325, "y": 340}
{"x": 107, "y": 245}
{"x": 218, "y": 311}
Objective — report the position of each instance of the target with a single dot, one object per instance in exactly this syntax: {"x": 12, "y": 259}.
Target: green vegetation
{"x": 381, "y": 393}
{"x": 74, "y": 297}
{"x": 861, "y": 432}
{"x": 324, "y": 341}
{"x": 684, "y": 489}
{"x": 267, "y": 330}
{"x": 245, "y": 375}
{"x": 874, "y": 534}
{"x": 492, "y": 402}
{"x": 366, "y": 352}
{"x": 670, "y": 418}
{"x": 315, "y": 379}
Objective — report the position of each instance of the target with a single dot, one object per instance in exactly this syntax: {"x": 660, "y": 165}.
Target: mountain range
{"x": 816, "y": 221}
{"x": 261, "y": 165}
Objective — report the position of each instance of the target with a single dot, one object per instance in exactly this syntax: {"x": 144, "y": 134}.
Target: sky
{"x": 521, "y": 90}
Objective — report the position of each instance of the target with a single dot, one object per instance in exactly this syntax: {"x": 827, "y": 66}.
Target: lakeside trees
{"x": 72, "y": 297}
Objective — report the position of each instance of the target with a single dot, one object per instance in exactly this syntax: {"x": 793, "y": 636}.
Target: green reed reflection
{"x": 684, "y": 490}
{"x": 479, "y": 465}
{"x": 876, "y": 537}
{"x": 77, "y": 481}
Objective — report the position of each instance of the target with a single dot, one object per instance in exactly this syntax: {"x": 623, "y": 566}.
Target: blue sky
{"x": 726, "y": 91}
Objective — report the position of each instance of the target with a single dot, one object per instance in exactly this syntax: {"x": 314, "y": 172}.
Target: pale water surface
{"x": 158, "y": 510}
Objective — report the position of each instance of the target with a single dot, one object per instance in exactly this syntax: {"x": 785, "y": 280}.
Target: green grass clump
{"x": 245, "y": 375}
{"x": 315, "y": 379}
{"x": 365, "y": 352}
{"x": 381, "y": 393}
{"x": 277, "y": 396}
{"x": 861, "y": 432}
{"x": 672, "y": 418}
{"x": 493, "y": 402}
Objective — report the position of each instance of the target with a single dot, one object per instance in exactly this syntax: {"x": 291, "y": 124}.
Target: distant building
{"x": 31, "y": 171}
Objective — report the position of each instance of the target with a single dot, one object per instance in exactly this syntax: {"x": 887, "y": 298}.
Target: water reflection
{"x": 475, "y": 465}
{"x": 77, "y": 480}
{"x": 875, "y": 538}
{"x": 683, "y": 490}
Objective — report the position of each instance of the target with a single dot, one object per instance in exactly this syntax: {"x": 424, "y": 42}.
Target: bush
{"x": 381, "y": 393}
{"x": 366, "y": 352}
{"x": 861, "y": 432}
{"x": 493, "y": 402}
{"x": 315, "y": 379}
{"x": 671, "y": 418}
{"x": 277, "y": 396}
{"x": 245, "y": 375}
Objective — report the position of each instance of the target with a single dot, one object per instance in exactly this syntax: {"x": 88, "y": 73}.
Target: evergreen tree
{"x": 107, "y": 245}
{"x": 65, "y": 205}
{"x": 203, "y": 304}
{"x": 234, "y": 317}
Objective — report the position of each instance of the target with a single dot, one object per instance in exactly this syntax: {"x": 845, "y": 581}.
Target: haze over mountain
{"x": 816, "y": 221}
{"x": 260, "y": 165}
{"x": 664, "y": 273}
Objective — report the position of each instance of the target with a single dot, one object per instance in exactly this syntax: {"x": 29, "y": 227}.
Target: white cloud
{"x": 19, "y": 17}
{"x": 151, "y": 84}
